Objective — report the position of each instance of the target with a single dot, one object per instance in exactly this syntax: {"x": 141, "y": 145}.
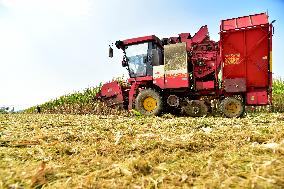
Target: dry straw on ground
{"x": 91, "y": 151}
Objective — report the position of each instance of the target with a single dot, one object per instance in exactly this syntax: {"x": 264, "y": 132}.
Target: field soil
{"x": 92, "y": 151}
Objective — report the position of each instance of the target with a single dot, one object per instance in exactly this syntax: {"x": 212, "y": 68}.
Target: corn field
{"x": 85, "y": 102}
{"x": 278, "y": 95}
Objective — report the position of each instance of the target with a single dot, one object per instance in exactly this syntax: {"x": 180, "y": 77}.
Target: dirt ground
{"x": 88, "y": 151}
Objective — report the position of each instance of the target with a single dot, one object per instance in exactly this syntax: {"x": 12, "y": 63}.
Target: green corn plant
{"x": 85, "y": 102}
{"x": 278, "y": 95}
{"x": 79, "y": 102}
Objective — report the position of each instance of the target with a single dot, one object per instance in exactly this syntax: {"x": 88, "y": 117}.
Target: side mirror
{"x": 124, "y": 62}
{"x": 110, "y": 52}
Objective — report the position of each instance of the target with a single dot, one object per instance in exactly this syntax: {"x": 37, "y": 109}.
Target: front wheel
{"x": 149, "y": 102}
{"x": 232, "y": 107}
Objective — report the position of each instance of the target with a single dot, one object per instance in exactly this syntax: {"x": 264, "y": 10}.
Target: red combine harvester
{"x": 185, "y": 73}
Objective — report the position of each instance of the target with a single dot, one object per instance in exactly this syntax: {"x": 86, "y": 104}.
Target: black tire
{"x": 196, "y": 108}
{"x": 140, "y": 102}
{"x": 232, "y": 107}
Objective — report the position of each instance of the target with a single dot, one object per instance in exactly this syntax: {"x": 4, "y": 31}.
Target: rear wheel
{"x": 232, "y": 107}
{"x": 149, "y": 102}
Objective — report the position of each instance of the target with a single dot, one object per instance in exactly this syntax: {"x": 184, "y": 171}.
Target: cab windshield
{"x": 137, "y": 57}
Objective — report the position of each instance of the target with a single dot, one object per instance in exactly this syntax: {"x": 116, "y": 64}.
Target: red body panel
{"x": 140, "y": 40}
{"x": 176, "y": 81}
{"x": 207, "y": 85}
{"x": 235, "y": 85}
{"x": 146, "y": 78}
{"x": 248, "y": 58}
{"x": 160, "y": 82}
{"x": 243, "y": 22}
{"x": 257, "y": 98}
{"x": 245, "y": 52}
{"x": 199, "y": 37}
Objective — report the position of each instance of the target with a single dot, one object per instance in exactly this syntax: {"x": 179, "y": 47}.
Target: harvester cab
{"x": 140, "y": 55}
{"x": 186, "y": 73}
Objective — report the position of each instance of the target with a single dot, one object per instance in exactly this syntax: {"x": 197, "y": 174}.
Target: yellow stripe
{"x": 270, "y": 61}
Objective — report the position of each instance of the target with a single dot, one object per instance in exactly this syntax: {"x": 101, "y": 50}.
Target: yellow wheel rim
{"x": 150, "y": 104}
{"x": 233, "y": 108}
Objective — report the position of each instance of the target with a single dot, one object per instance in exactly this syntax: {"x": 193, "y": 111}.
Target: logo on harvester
{"x": 232, "y": 58}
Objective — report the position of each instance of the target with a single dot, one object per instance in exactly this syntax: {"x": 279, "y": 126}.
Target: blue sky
{"x": 49, "y": 48}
